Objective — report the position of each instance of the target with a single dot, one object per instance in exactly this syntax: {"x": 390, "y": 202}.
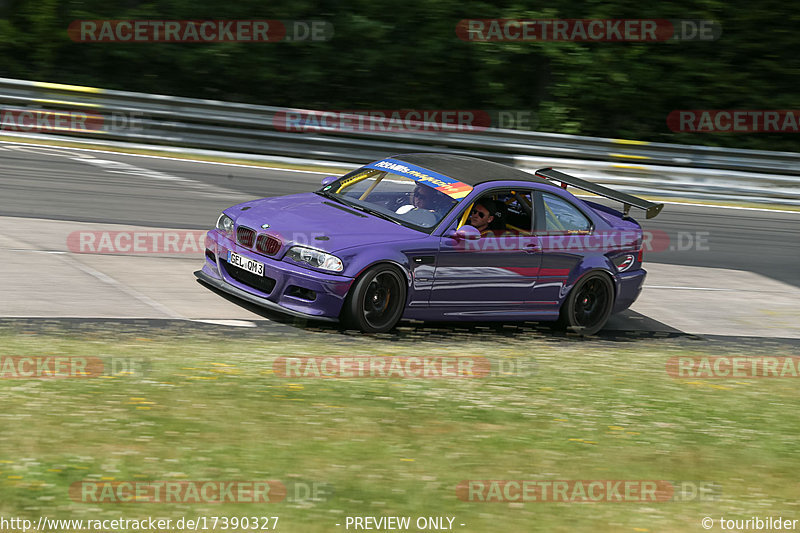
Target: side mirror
{"x": 467, "y": 233}
{"x": 329, "y": 179}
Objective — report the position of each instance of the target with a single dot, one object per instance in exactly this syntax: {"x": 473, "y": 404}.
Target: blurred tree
{"x": 387, "y": 55}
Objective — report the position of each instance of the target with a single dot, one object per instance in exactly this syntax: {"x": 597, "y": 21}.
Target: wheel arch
{"x": 392, "y": 262}
{"x": 574, "y": 279}
{"x": 347, "y": 314}
{"x": 565, "y": 315}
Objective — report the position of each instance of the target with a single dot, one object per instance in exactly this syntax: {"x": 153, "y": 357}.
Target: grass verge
{"x": 210, "y": 407}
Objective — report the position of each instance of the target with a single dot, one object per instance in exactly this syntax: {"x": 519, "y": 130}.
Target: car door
{"x": 563, "y": 230}
{"x": 491, "y": 275}
{"x": 422, "y": 262}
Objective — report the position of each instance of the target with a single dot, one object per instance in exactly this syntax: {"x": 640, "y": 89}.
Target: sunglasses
{"x": 480, "y": 214}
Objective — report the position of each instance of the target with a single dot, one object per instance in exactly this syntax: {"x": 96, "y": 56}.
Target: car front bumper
{"x": 292, "y": 284}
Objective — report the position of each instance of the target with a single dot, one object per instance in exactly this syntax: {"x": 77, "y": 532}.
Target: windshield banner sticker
{"x": 452, "y": 188}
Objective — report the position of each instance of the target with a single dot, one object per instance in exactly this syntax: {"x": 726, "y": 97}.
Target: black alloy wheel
{"x": 376, "y": 300}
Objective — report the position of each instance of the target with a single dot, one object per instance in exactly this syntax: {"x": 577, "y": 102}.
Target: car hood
{"x": 316, "y": 221}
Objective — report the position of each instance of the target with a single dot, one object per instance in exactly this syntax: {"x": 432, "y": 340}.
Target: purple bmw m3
{"x": 434, "y": 237}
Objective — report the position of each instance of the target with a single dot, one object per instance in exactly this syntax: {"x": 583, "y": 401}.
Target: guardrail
{"x": 640, "y": 167}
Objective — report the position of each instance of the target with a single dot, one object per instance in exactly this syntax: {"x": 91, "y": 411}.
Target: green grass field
{"x": 209, "y": 407}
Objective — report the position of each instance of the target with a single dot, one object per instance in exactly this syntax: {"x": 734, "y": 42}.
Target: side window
{"x": 520, "y": 208}
{"x": 560, "y": 216}
{"x": 515, "y": 208}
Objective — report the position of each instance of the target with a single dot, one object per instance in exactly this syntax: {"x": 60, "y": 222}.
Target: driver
{"x": 487, "y": 217}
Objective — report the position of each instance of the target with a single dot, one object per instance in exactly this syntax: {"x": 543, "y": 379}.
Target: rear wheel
{"x": 377, "y": 300}
{"x": 588, "y": 305}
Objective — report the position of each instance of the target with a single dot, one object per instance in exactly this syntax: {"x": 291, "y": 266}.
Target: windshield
{"x": 399, "y": 198}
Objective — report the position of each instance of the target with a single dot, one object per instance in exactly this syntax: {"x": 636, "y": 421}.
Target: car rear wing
{"x": 628, "y": 200}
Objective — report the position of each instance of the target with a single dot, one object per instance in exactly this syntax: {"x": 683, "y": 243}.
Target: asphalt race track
{"x": 715, "y": 271}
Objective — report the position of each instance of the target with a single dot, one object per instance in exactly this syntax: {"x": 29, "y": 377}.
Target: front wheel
{"x": 376, "y": 301}
{"x": 588, "y": 305}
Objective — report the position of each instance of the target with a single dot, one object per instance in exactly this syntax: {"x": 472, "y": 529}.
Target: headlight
{"x": 225, "y": 224}
{"x": 315, "y": 258}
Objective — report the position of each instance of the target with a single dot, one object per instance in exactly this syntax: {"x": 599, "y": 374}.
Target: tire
{"x": 588, "y": 305}
{"x": 376, "y": 301}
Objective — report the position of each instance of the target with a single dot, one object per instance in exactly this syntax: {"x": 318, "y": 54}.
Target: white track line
{"x": 686, "y": 288}
{"x": 683, "y": 288}
{"x": 694, "y": 204}
{"x": 167, "y": 158}
{"x": 119, "y": 167}
{"x": 120, "y": 286}
{"x": 230, "y": 323}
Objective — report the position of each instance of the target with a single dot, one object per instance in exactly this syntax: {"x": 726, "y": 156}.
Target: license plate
{"x": 247, "y": 264}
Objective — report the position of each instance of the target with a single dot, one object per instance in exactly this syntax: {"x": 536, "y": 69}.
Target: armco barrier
{"x": 641, "y": 167}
